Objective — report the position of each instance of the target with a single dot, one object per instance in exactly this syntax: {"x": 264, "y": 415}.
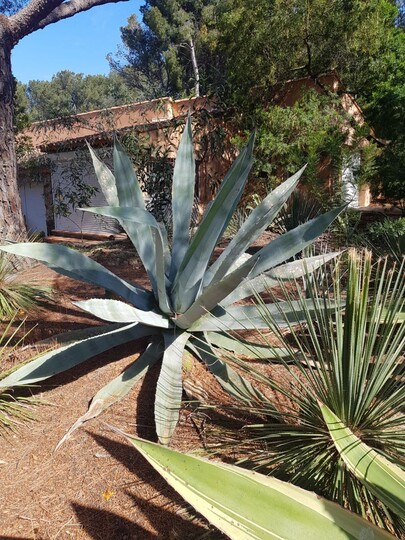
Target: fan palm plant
{"x": 189, "y": 298}
{"x": 342, "y": 417}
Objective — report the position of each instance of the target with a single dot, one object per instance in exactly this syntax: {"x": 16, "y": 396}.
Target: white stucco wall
{"x": 33, "y": 207}
{"x": 79, "y": 221}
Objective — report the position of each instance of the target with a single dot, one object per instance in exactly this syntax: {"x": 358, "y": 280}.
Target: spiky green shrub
{"x": 190, "y": 301}
{"x": 335, "y": 421}
{"x": 388, "y": 236}
{"x": 300, "y": 208}
{"x": 15, "y": 293}
{"x": 13, "y": 409}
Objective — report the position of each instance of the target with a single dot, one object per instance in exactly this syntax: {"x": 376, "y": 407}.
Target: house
{"x": 59, "y": 158}
{"x": 60, "y": 163}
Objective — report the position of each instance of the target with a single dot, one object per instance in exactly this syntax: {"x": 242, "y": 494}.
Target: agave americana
{"x": 191, "y": 301}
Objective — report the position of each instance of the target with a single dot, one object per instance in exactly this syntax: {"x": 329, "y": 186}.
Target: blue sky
{"x": 79, "y": 44}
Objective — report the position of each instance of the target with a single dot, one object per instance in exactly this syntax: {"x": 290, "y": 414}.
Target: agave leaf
{"x": 66, "y": 338}
{"x": 130, "y": 195}
{"x": 137, "y": 215}
{"x": 117, "y": 311}
{"x": 292, "y": 242}
{"x": 233, "y": 383}
{"x": 246, "y": 505}
{"x": 128, "y": 189}
{"x": 182, "y": 197}
{"x": 252, "y": 317}
{"x": 73, "y": 264}
{"x": 267, "y": 280}
{"x": 105, "y": 178}
{"x": 384, "y": 479}
{"x": 213, "y": 294}
{"x": 246, "y": 348}
{"x": 119, "y": 387}
{"x": 252, "y": 228}
{"x": 68, "y": 356}
{"x": 214, "y": 222}
{"x": 169, "y": 386}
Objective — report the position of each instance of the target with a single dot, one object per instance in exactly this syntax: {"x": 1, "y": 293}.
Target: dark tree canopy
{"x": 173, "y": 50}
{"x": 72, "y": 93}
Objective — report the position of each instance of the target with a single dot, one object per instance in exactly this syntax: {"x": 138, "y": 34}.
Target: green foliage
{"x": 22, "y": 117}
{"x": 189, "y": 300}
{"x": 300, "y": 208}
{"x": 298, "y": 39}
{"x": 13, "y": 409}
{"x": 349, "y": 359}
{"x": 15, "y": 293}
{"x": 390, "y": 236}
{"x": 291, "y": 40}
{"x": 268, "y": 509}
{"x": 70, "y": 93}
{"x": 314, "y": 129}
{"x": 346, "y": 230}
{"x": 157, "y": 57}
{"x": 71, "y": 191}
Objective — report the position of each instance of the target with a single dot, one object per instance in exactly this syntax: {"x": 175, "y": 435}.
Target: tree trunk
{"x": 11, "y": 219}
{"x": 195, "y": 69}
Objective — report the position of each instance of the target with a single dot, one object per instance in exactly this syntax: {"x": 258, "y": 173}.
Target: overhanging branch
{"x": 52, "y": 11}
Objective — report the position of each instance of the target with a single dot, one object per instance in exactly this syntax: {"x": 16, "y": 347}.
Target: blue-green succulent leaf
{"x": 119, "y": 387}
{"x": 128, "y": 188}
{"x": 182, "y": 197}
{"x": 251, "y": 317}
{"x": 233, "y": 383}
{"x": 292, "y": 242}
{"x": 272, "y": 278}
{"x": 157, "y": 250}
{"x": 253, "y": 227}
{"x": 214, "y": 222}
{"x": 169, "y": 386}
{"x": 68, "y": 356}
{"x": 105, "y": 178}
{"x": 117, "y": 311}
{"x": 73, "y": 264}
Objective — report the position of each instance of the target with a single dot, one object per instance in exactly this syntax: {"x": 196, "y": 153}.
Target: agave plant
{"x": 268, "y": 509}
{"x": 190, "y": 300}
{"x": 340, "y": 430}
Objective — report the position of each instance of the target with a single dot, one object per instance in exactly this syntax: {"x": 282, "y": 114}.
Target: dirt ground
{"x": 95, "y": 486}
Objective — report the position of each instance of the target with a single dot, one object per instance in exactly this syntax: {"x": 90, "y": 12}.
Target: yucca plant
{"x": 189, "y": 299}
{"x": 247, "y": 505}
{"x": 300, "y": 208}
{"x": 339, "y": 430}
{"x": 13, "y": 409}
{"x": 15, "y": 293}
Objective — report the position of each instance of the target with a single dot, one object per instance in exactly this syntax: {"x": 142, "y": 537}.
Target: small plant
{"x": 190, "y": 301}
{"x": 389, "y": 235}
{"x": 345, "y": 230}
{"x": 13, "y": 409}
{"x": 300, "y": 208}
{"x": 15, "y": 293}
{"x": 336, "y": 418}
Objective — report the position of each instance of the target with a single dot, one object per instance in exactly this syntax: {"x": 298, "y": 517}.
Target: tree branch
{"x": 52, "y": 11}
{"x": 21, "y": 23}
